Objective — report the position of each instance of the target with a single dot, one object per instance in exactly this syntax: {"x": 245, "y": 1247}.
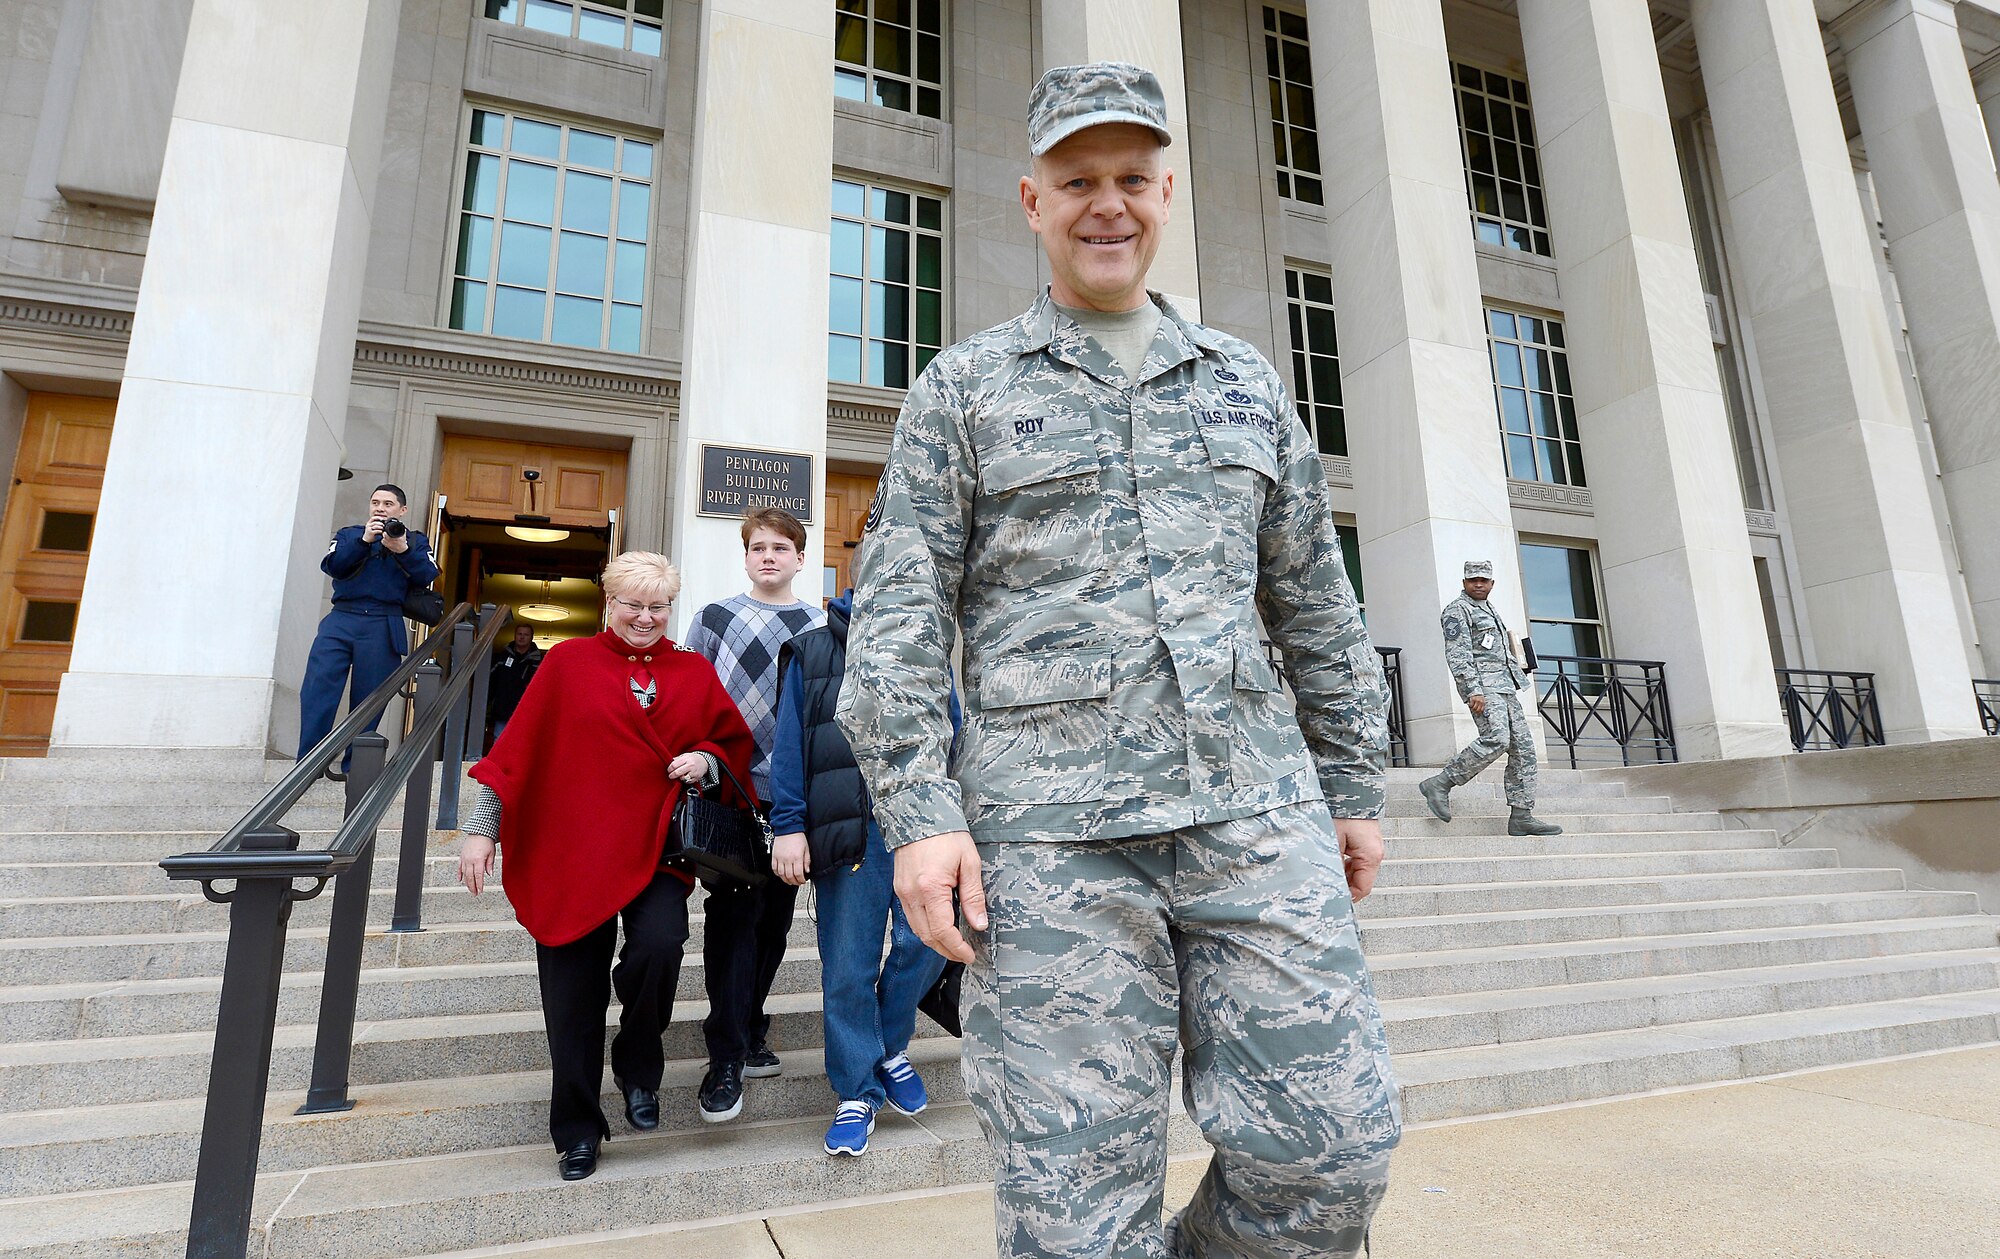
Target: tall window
{"x": 1537, "y": 410}
{"x": 1316, "y": 358}
{"x": 890, "y": 52}
{"x": 885, "y": 297}
{"x": 1503, "y": 173}
{"x": 1294, "y": 127}
{"x": 552, "y": 233}
{"x": 1350, "y": 552}
{"x": 633, "y": 24}
{"x": 1564, "y": 615}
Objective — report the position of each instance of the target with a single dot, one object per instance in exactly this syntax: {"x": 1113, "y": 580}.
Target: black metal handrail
{"x": 1830, "y": 708}
{"x": 1596, "y": 707}
{"x": 1392, "y": 678}
{"x": 1987, "y": 692}
{"x": 262, "y": 857}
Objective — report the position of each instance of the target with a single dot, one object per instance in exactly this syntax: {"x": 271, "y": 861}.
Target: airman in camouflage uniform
{"x": 1156, "y": 855}
{"x": 1480, "y": 651}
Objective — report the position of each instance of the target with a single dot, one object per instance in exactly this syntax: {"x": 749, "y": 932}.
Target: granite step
{"x": 1585, "y": 821}
{"x": 1403, "y": 902}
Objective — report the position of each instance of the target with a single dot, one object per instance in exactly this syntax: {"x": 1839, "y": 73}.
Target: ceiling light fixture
{"x": 526, "y": 533}
{"x": 542, "y": 610}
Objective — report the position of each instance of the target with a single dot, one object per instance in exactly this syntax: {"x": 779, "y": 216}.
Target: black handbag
{"x": 719, "y": 843}
{"x": 941, "y": 1002}
{"x": 424, "y": 606}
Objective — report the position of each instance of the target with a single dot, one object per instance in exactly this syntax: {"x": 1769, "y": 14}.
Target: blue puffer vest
{"x": 837, "y": 809}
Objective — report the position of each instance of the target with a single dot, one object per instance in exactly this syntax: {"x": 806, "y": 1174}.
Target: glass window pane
{"x": 892, "y": 49}
{"x": 579, "y": 321}
{"x": 518, "y": 313}
{"x": 850, "y": 40}
{"x": 897, "y": 11}
{"x": 1500, "y": 323}
{"x": 850, "y": 85}
{"x": 65, "y": 531}
{"x": 1543, "y": 407}
{"x": 889, "y": 311}
{"x": 930, "y": 318}
{"x": 846, "y": 247}
{"x": 1305, "y": 151}
{"x": 930, "y": 102}
{"x": 524, "y": 255}
{"x": 475, "y": 246}
{"x": 1545, "y": 582}
{"x": 482, "y": 182}
{"x": 1325, "y": 378}
{"x": 889, "y": 205}
{"x": 1521, "y": 458}
{"x": 47, "y": 621}
{"x": 843, "y": 359}
{"x": 1550, "y": 464}
{"x": 874, "y": 375}
{"x": 638, "y": 159}
{"x": 580, "y": 263}
{"x": 1292, "y": 24}
{"x": 1514, "y": 410}
{"x": 588, "y": 148}
{"x": 892, "y": 93}
{"x": 1582, "y": 589}
{"x": 628, "y": 283}
{"x": 531, "y": 192}
{"x": 537, "y": 139}
{"x": 930, "y": 58}
{"x": 635, "y": 211}
{"x": 888, "y": 255}
{"x": 650, "y": 8}
{"x": 843, "y": 305}
{"x": 552, "y": 16}
{"x": 1317, "y": 288}
{"x": 1297, "y": 62}
{"x": 1534, "y": 367}
{"x": 647, "y": 38}
{"x": 488, "y": 127}
{"x": 1490, "y": 233}
{"x": 930, "y": 16}
{"x": 587, "y": 203}
{"x": 930, "y": 213}
{"x": 1309, "y": 190}
{"x": 1507, "y": 364}
{"x": 930, "y": 262}
{"x": 625, "y": 329}
{"x": 601, "y": 28}
{"x": 849, "y": 198}
{"x": 895, "y": 364}
{"x": 468, "y": 305}
{"x": 1319, "y": 330}
{"x": 503, "y": 10}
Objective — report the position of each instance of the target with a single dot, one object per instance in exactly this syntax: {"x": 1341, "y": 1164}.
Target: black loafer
{"x": 334, "y": 775}
{"x": 642, "y": 1106}
{"x": 578, "y": 1161}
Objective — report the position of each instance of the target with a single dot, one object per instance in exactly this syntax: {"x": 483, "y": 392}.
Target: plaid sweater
{"x": 741, "y": 638}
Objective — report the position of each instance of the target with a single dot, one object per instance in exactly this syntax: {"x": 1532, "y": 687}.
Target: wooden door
{"x": 847, "y": 498}
{"x": 44, "y": 546}
{"x": 486, "y": 478}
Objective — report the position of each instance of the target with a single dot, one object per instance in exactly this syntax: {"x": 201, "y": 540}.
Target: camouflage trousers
{"x": 1503, "y": 730}
{"x": 1236, "y": 940}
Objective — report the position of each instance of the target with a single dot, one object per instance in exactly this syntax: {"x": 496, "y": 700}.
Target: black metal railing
{"x": 1987, "y": 692}
{"x": 261, "y": 858}
{"x": 1597, "y": 710}
{"x": 1392, "y": 677}
{"x": 1830, "y": 708}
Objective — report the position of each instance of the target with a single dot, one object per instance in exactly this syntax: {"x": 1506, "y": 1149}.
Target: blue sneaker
{"x": 847, "y": 1136}
{"x": 904, "y": 1086}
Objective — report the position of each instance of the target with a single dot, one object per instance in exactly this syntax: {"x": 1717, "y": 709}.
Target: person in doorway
{"x": 373, "y": 566}
{"x": 743, "y": 942}
{"x": 1485, "y": 663}
{"x": 1151, "y": 840}
{"x": 827, "y": 832}
{"x": 508, "y": 680}
{"x": 578, "y": 791}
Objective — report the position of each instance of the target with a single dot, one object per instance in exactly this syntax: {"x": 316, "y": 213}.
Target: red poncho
{"x": 581, "y": 773}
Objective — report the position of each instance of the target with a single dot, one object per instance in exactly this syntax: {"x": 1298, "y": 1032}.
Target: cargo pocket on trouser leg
{"x": 1090, "y": 1194}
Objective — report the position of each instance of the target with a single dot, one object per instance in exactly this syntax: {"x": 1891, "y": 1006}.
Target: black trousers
{"x": 743, "y": 942}
{"x": 577, "y": 981}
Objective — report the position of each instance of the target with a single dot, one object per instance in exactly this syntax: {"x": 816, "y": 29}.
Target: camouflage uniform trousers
{"x": 1240, "y": 937}
{"x": 1503, "y": 729}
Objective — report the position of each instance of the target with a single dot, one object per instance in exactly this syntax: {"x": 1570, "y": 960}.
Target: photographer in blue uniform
{"x": 373, "y": 566}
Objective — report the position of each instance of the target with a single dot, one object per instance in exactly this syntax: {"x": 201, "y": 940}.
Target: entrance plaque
{"x": 737, "y": 479}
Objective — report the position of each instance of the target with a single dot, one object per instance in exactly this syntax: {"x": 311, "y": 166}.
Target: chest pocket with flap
{"x": 1039, "y": 516}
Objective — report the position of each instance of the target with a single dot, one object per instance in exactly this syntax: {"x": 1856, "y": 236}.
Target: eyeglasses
{"x": 657, "y": 609}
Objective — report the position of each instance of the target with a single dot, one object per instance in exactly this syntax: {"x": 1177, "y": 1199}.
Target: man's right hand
{"x": 927, "y": 872}
{"x": 372, "y": 530}
{"x": 1477, "y": 704}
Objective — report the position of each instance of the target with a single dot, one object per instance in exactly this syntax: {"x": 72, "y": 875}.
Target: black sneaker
{"x": 721, "y": 1093}
{"x": 762, "y": 1064}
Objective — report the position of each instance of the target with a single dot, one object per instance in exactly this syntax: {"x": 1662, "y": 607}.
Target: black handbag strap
{"x": 763, "y": 823}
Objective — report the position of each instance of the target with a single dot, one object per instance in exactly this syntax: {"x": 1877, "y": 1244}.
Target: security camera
{"x": 531, "y": 474}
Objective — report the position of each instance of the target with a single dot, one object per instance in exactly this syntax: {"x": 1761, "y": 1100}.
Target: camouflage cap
{"x": 1070, "y": 98}
{"x": 1479, "y": 569}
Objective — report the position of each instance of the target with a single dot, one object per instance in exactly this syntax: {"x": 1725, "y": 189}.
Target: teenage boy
{"x": 827, "y": 832}
{"x": 744, "y": 938}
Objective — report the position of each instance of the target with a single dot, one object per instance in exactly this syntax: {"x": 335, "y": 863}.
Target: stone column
{"x": 1145, "y": 33}
{"x": 1430, "y": 483}
{"x": 204, "y": 586}
{"x": 1671, "y": 539}
{"x": 754, "y": 364}
{"x": 1877, "y": 589}
{"x": 1933, "y": 165}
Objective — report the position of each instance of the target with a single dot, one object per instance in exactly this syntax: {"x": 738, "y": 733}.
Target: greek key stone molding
{"x": 1339, "y": 469}
{"x": 27, "y": 313}
{"x": 406, "y": 360}
{"x": 1570, "y": 498}
{"x": 1764, "y": 522}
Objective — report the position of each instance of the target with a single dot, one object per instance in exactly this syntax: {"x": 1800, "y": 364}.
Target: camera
{"x": 531, "y": 474}
{"x": 393, "y": 528}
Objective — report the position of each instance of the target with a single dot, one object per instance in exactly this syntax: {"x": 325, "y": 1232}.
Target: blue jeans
{"x": 870, "y": 1007}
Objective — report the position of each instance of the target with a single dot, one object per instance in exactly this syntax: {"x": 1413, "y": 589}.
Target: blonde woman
{"x": 578, "y": 790}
